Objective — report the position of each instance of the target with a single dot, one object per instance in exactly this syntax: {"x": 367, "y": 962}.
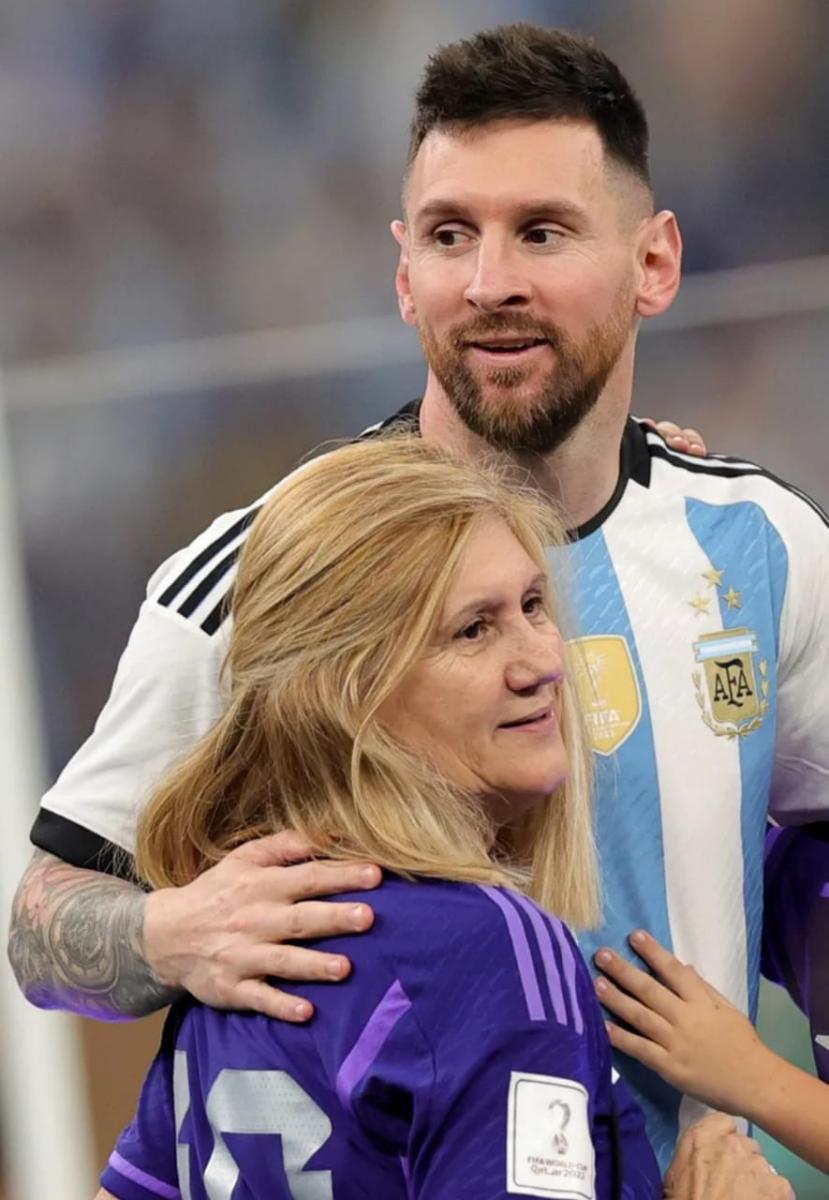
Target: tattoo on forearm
{"x": 76, "y": 942}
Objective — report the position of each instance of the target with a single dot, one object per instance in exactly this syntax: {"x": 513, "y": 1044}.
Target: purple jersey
{"x": 465, "y": 1056}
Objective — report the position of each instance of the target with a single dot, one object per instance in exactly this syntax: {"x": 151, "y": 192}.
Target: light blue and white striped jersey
{"x": 702, "y": 653}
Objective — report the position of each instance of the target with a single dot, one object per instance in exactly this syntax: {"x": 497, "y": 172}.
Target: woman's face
{"x": 484, "y": 704}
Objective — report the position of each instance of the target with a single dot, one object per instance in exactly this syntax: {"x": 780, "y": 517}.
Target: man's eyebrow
{"x": 440, "y": 210}
{"x": 559, "y": 209}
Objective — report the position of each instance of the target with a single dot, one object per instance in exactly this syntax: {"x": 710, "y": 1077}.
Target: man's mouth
{"x": 508, "y": 349}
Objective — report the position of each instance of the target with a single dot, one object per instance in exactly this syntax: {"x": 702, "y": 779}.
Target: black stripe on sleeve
{"x": 721, "y": 468}
{"x": 191, "y": 603}
{"x": 59, "y": 836}
{"x": 217, "y": 615}
{"x": 405, "y": 418}
{"x": 201, "y": 560}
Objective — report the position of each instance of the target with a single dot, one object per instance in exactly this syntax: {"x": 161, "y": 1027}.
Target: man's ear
{"x": 660, "y": 262}
{"x": 401, "y": 275}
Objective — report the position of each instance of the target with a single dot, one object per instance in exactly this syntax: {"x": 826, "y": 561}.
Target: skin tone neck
{"x": 530, "y": 222}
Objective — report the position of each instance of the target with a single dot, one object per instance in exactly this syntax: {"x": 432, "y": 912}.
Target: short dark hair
{"x": 527, "y": 72}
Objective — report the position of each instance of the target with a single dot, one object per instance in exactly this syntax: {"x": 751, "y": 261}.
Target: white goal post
{"x": 45, "y": 1127}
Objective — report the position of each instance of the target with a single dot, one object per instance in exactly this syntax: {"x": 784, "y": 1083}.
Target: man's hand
{"x": 686, "y": 441}
{"x": 87, "y": 942}
{"x": 715, "y": 1162}
{"x": 682, "y": 1028}
{"x": 223, "y": 934}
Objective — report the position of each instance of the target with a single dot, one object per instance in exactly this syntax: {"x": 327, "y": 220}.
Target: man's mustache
{"x": 505, "y": 325}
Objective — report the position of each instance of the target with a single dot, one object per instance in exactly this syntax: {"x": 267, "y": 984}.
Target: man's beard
{"x": 563, "y": 399}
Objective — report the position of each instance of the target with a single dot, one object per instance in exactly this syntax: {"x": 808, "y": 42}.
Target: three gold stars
{"x": 714, "y": 578}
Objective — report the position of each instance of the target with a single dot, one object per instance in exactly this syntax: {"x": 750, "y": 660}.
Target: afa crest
{"x": 608, "y": 689}
{"x": 732, "y": 688}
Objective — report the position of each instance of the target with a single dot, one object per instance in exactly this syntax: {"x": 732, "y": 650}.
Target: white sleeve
{"x": 166, "y": 694}
{"x": 800, "y": 785}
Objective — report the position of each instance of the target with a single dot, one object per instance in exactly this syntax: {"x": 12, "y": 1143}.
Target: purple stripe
{"x": 569, "y": 963}
{"x": 521, "y": 949}
{"x": 772, "y": 834}
{"x": 407, "y": 1177}
{"x": 548, "y": 957}
{"x": 824, "y": 891}
{"x": 362, "y": 1054}
{"x": 156, "y": 1186}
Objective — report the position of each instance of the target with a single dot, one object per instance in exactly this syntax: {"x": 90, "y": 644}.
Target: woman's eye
{"x": 473, "y": 631}
{"x": 533, "y": 604}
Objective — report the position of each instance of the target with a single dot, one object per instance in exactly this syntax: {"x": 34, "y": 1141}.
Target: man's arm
{"x": 76, "y": 941}
{"x": 84, "y": 941}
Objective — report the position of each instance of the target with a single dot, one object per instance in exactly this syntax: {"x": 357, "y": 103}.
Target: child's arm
{"x": 688, "y": 1033}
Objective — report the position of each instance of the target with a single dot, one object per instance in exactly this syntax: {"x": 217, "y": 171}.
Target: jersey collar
{"x": 634, "y": 461}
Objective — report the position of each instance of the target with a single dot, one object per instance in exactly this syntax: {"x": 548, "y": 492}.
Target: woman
{"x": 397, "y": 693}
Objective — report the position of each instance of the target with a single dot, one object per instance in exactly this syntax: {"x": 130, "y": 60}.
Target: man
{"x": 529, "y": 255}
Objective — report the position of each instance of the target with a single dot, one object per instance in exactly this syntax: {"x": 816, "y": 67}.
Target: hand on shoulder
{"x": 221, "y": 936}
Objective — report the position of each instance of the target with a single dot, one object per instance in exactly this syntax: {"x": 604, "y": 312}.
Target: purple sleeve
{"x": 143, "y": 1164}
{"x": 622, "y": 1129}
{"x": 796, "y": 925}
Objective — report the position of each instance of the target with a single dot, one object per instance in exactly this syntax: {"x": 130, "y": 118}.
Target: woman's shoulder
{"x": 425, "y": 907}
{"x": 441, "y": 935}
{"x": 429, "y": 904}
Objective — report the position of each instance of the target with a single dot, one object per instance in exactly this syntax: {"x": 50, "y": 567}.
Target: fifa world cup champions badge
{"x": 608, "y": 688}
{"x": 732, "y": 684}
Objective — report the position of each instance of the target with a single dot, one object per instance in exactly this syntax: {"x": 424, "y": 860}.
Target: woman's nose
{"x": 539, "y": 660}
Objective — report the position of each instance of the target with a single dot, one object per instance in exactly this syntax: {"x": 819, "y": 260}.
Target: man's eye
{"x": 541, "y": 235}
{"x": 450, "y": 238}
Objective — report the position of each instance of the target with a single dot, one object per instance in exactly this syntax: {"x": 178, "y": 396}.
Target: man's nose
{"x": 498, "y": 281}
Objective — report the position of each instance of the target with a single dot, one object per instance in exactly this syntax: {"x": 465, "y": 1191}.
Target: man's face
{"x": 517, "y": 268}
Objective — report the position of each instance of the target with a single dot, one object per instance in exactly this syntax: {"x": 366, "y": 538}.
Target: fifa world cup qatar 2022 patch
{"x": 549, "y": 1147}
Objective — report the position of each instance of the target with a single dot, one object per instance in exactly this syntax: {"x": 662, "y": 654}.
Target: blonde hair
{"x": 339, "y": 590}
